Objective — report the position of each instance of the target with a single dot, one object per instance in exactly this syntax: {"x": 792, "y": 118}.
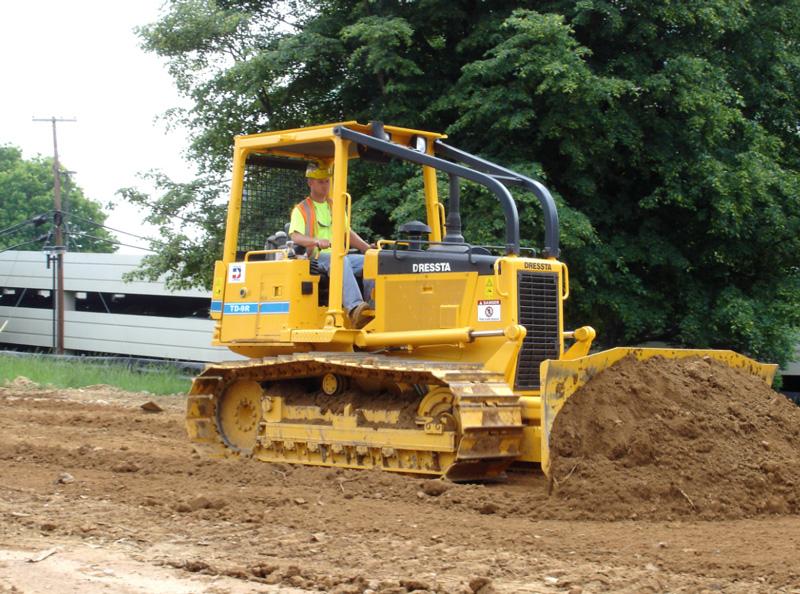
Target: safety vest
{"x": 306, "y": 208}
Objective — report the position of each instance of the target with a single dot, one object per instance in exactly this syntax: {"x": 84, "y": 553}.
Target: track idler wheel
{"x": 239, "y": 414}
{"x": 333, "y": 384}
{"x": 436, "y": 410}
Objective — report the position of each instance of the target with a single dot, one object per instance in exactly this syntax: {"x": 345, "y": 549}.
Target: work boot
{"x": 359, "y": 317}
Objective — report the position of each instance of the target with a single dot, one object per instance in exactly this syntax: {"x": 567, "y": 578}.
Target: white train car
{"x": 102, "y": 313}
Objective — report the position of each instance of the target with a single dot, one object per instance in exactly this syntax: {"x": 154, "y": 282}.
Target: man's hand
{"x": 323, "y": 244}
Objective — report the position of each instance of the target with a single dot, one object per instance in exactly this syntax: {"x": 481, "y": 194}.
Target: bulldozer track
{"x": 229, "y": 413}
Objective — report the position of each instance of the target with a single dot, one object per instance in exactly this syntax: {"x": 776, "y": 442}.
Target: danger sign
{"x": 489, "y": 310}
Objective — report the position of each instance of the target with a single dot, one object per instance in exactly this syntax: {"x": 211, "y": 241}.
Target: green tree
{"x": 667, "y": 131}
{"x": 26, "y": 193}
{"x": 191, "y": 220}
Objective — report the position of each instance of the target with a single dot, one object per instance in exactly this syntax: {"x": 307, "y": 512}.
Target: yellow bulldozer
{"x": 465, "y": 361}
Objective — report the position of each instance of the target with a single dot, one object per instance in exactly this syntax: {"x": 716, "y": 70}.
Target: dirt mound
{"x": 20, "y": 383}
{"x": 670, "y": 437}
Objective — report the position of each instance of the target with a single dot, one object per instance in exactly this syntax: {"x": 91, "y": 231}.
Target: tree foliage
{"x": 26, "y": 192}
{"x": 184, "y": 213}
{"x": 667, "y": 131}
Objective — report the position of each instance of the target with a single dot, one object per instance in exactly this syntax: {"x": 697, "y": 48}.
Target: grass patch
{"x": 72, "y": 373}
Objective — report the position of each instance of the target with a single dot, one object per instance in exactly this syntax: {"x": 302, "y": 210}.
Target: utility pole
{"x": 58, "y": 219}
{"x": 65, "y": 205}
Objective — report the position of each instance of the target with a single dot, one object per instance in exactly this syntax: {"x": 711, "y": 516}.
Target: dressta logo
{"x": 431, "y": 267}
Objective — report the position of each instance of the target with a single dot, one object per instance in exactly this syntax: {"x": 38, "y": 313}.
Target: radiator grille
{"x": 538, "y": 312}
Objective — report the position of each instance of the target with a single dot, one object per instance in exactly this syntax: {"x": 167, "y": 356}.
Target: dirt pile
{"x": 670, "y": 437}
{"x": 20, "y": 383}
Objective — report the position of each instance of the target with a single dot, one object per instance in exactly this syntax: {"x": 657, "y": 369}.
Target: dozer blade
{"x": 561, "y": 379}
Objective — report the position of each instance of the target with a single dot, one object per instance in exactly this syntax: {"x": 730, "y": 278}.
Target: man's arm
{"x": 309, "y": 242}
{"x": 358, "y": 243}
{"x": 297, "y": 225}
{"x": 323, "y": 244}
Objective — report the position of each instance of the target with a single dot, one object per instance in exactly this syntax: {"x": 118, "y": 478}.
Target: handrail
{"x": 348, "y": 207}
{"x": 496, "y": 270}
{"x": 507, "y": 176}
{"x": 264, "y": 252}
{"x": 407, "y": 154}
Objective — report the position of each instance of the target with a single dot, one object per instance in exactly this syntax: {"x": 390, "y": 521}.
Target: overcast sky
{"x": 80, "y": 59}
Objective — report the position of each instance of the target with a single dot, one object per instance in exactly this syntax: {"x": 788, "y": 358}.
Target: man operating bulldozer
{"x": 311, "y": 227}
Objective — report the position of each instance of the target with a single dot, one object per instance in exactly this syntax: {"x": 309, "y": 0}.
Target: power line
{"x": 115, "y": 230}
{"x": 164, "y": 210}
{"x": 86, "y": 235}
{"x": 13, "y": 247}
{"x": 37, "y": 220}
{"x": 44, "y": 238}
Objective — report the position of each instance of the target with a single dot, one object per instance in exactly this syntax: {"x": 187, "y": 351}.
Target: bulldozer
{"x": 465, "y": 362}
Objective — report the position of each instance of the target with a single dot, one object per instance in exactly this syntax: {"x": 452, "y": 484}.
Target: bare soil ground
{"x": 97, "y": 495}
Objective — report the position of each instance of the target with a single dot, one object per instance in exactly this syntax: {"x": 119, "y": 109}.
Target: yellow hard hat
{"x": 316, "y": 170}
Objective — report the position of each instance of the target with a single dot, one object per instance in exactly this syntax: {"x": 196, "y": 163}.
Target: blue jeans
{"x": 353, "y": 265}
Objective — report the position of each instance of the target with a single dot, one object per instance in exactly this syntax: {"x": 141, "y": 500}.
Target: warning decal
{"x": 488, "y": 290}
{"x": 489, "y": 310}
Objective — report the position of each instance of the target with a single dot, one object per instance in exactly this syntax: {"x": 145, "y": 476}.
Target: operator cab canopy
{"x": 316, "y": 142}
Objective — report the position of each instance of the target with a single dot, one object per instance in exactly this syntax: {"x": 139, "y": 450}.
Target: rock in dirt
{"x": 199, "y": 502}
{"x": 126, "y": 467}
{"x": 196, "y": 566}
{"x": 669, "y": 437}
{"x": 434, "y": 488}
{"x": 411, "y": 585}
{"x": 151, "y": 407}
{"x": 262, "y": 570}
{"x": 65, "y": 478}
{"x": 482, "y": 585}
